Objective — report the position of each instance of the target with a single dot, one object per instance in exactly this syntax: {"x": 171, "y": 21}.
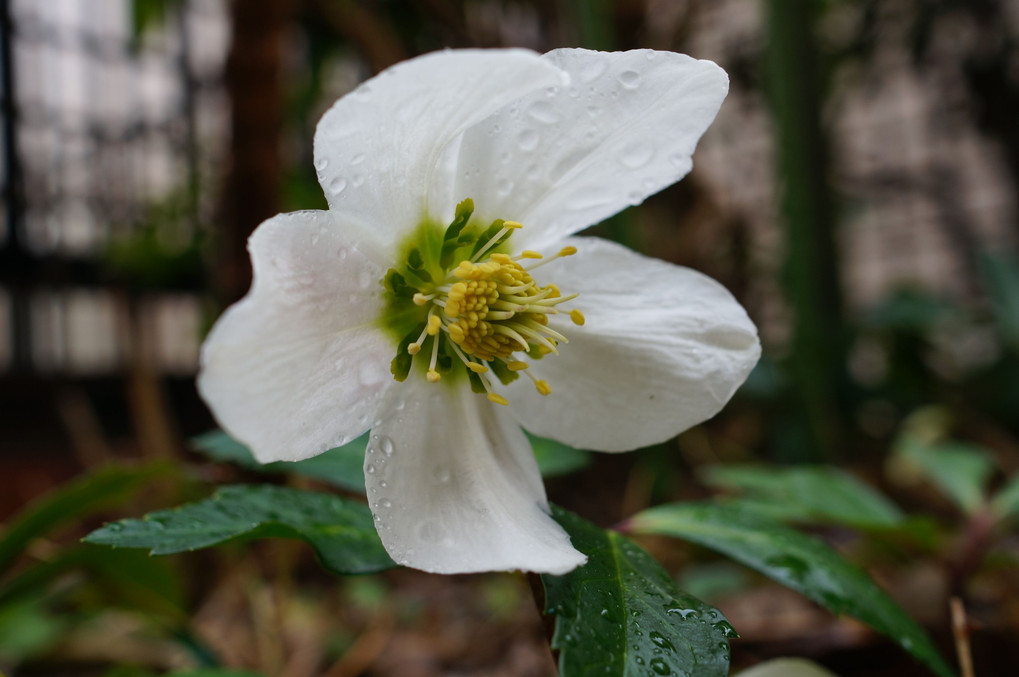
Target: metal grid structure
{"x": 109, "y": 137}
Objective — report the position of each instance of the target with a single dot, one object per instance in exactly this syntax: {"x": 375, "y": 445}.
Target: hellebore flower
{"x": 444, "y": 282}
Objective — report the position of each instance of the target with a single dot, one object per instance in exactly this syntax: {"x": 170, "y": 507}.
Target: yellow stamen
{"x": 577, "y": 317}
{"x": 498, "y": 399}
{"x": 542, "y": 386}
{"x": 420, "y": 299}
{"x": 476, "y": 367}
{"x": 530, "y": 254}
{"x": 432, "y": 376}
{"x": 568, "y": 250}
{"x": 433, "y": 325}
{"x": 517, "y": 365}
{"x": 512, "y": 224}
{"x": 414, "y": 348}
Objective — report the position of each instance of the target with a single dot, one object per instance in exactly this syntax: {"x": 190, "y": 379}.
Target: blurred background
{"x": 858, "y": 194}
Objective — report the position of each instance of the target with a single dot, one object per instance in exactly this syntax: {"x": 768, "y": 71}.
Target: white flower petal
{"x": 298, "y": 366}
{"x": 662, "y": 349}
{"x": 454, "y": 486}
{"x": 563, "y": 159}
{"x": 377, "y": 148}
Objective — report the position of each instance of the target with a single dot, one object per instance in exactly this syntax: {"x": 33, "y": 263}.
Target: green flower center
{"x": 477, "y": 317}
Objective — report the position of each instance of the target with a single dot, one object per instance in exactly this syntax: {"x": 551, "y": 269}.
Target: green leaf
{"x": 819, "y": 493}
{"x": 795, "y": 560}
{"x": 1006, "y": 502}
{"x": 622, "y": 614}
{"x": 98, "y": 490}
{"x": 341, "y": 531}
{"x": 555, "y": 458}
{"x": 961, "y": 471}
{"x": 341, "y": 467}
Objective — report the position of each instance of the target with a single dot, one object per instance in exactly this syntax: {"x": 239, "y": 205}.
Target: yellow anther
{"x": 477, "y": 367}
{"x": 432, "y": 376}
{"x": 530, "y": 254}
{"x": 577, "y": 317}
{"x": 517, "y": 365}
{"x": 414, "y": 348}
{"x": 501, "y": 258}
{"x": 498, "y": 399}
{"x": 554, "y": 293}
{"x": 569, "y": 250}
{"x": 542, "y": 386}
{"x": 512, "y": 224}
{"x": 420, "y": 299}
{"x": 433, "y": 325}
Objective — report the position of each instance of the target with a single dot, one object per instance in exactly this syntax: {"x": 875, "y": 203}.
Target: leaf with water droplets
{"x": 622, "y": 614}
{"x": 341, "y": 531}
{"x": 795, "y": 560}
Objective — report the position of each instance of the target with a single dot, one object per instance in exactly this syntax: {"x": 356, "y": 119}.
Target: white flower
{"x": 344, "y": 299}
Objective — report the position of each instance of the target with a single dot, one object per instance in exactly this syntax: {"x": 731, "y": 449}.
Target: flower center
{"x": 480, "y": 312}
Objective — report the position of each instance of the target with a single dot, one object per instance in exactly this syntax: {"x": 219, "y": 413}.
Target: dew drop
{"x": 660, "y": 640}
{"x": 357, "y": 159}
{"x": 384, "y": 484}
{"x": 527, "y": 140}
{"x": 630, "y": 79}
{"x": 637, "y": 155}
{"x": 337, "y": 185}
{"x": 385, "y": 504}
{"x": 321, "y": 163}
{"x": 358, "y": 180}
{"x": 370, "y": 468}
{"x": 660, "y": 667}
{"x": 386, "y": 446}
{"x": 542, "y": 111}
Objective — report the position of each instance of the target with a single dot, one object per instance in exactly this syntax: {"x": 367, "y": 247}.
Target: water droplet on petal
{"x": 527, "y": 140}
{"x": 370, "y": 468}
{"x": 357, "y": 159}
{"x": 542, "y": 111}
{"x": 637, "y": 155}
{"x": 630, "y": 79}
{"x": 321, "y": 163}
{"x": 358, "y": 180}
{"x": 386, "y": 446}
{"x": 337, "y": 185}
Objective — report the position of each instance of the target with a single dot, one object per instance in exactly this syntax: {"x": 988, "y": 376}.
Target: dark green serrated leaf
{"x": 621, "y": 614}
{"x": 795, "y": 560}
{"x": 82, "y": 497}
{"x": 803, "y": 493}
{"x": 341, "y": 467}
{"x": 341, "y": 531}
